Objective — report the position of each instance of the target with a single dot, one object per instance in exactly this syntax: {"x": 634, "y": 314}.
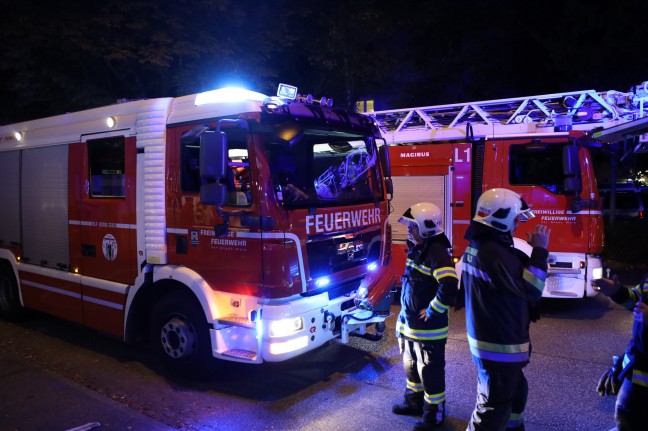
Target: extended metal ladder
{"x": 579, "y": 110}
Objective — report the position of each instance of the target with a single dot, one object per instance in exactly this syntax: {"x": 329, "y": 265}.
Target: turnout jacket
{"x": 502, "y": 289}
{"x": 429, "y": 283}
{"x": 636, "y": 350}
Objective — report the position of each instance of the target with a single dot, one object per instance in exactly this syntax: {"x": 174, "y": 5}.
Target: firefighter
{"x": 629, "y": 375}
{"x": 502, "y": 289}
{"x": 429, "y": 287}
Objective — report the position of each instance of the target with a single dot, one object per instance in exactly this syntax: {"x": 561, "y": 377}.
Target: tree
{"x": 78, "y": 55}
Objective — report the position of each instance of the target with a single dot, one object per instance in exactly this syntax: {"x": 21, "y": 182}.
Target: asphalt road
{"x": 57, "y": 376}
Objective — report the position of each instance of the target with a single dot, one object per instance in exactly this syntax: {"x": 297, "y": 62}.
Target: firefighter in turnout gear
{"x": 503, "y": 287}
{"x": 629, "y": 376}
{"x": 429, "y": 287}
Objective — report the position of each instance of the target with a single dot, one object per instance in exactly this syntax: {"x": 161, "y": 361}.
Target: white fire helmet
{"x": 499, "y": 208}
{"x": 427, "y": 216}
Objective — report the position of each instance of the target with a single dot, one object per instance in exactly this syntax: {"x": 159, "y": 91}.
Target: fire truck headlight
{"x": 597, "y": 273}
{"x": 111, "y": 122}
{"x": 289, "y": 346}
{"x": 284, "y": 327}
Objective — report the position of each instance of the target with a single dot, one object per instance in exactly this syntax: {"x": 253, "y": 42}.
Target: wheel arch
{"x": 11, "y": 300}
{"x": 158, "y": 283}
{"x": 8, "y": 258}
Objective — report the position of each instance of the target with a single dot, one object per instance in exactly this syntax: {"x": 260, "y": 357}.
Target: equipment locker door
{"x": 102, "y": 227}
{"x": 47, "y": 286}
{"x": 107, "y": 219}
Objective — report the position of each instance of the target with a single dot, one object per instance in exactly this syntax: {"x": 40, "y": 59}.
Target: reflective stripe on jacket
{"x": 637, "y": 349}
{"x": 502, "y": 286}
{"x": 430, "y": 280}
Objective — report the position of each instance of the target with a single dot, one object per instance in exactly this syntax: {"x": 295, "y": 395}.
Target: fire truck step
{"x": 234, "y": 320}
{"x": 241, "y": 354}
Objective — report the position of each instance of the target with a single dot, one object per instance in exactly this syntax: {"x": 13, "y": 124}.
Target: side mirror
{"x": 213, "y": 168}
{"x": 389, "y": 186}
{"x": 573, "y": 185}
{"x": 571, "y": 164}
{"x": 383, "y": 155}
{"x": 571, "y": 170}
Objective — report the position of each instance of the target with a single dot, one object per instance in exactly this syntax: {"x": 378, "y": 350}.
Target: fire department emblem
{"x": 350, "y": 248}
{"x": 109, "y": 247}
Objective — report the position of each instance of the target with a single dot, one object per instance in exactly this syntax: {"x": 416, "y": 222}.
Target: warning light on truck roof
{"x": 224, "y": 95}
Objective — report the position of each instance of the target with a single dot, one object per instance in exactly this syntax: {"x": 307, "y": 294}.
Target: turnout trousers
{"x": 502, "y": 392}
{"x": 424, "y": 365}
{"x": 630, "y": 411}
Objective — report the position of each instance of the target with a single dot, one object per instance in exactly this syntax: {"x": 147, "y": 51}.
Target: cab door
{"x": 224, "y": 245}
{"x": 534, "y": 169}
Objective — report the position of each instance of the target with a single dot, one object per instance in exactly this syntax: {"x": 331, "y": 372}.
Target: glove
{"x": 539, "y": 237}
{"x": 609, "y": 382}
{"x": 607, "y": 286}
{"x": 430, "y": 312}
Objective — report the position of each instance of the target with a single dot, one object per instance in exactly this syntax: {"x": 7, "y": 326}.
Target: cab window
{"x": 239, "y": 184}
{"x": 539, "y": 165}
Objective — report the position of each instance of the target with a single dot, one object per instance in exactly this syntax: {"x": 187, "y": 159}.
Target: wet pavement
{"x": 58, "y": 376}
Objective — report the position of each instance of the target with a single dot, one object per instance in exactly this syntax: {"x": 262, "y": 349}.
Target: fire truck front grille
{"x": 328, "y": 255}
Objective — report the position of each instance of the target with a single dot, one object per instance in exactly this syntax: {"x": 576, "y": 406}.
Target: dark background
{"x": 69, "y": 55}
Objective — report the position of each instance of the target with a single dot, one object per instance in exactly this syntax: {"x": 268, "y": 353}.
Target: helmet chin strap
{"x": 416, "y": 240}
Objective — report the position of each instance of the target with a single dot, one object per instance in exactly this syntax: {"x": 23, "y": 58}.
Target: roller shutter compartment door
{"x": 409, "y": 190}
{"x": 44, "y": 197}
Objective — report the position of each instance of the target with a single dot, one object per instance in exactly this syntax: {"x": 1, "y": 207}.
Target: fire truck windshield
{"x": 320, "y": 170}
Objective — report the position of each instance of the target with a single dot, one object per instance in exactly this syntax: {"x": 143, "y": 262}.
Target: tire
{"x": 180, "y": 337}
{"x": 10, "y": 308}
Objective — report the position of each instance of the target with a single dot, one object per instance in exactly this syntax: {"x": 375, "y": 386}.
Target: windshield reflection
{"x": 316, "y": 173}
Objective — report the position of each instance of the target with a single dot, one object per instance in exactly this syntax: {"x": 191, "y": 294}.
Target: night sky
{"x": 70, "y": 55}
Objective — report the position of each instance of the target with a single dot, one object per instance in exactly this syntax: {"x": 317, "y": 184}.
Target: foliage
{"x": 78, "y": 54}
{"x": 64, "y": 56}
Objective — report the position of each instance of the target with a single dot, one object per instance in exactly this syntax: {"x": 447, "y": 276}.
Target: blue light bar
{"x": 323, "y": 281}
{"x": 228, "y": 95}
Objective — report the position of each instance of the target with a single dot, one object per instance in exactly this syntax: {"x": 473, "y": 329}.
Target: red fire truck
{"x": 225, "y": 224}
{"x": 536, "y": 146}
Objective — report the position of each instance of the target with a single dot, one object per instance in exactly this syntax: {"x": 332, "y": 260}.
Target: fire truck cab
{"x": 226, "y": 224}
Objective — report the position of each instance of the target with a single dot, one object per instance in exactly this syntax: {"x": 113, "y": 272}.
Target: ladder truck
{"x": 537, "y": 146}
{"x": 226, "y": 224}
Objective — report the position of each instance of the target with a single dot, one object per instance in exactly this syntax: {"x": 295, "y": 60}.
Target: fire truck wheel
{"x": 10, "y": 308}
{"x": 180, "y": 336}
